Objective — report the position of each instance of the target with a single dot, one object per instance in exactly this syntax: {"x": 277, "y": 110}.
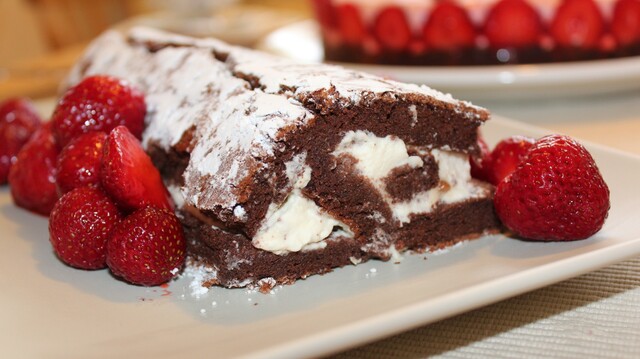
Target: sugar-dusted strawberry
{"x": 81, "y": 222}
{"x": 480, "y": 163}
{"x": 448, "y": 28}
{"x": 625, "y": 25}
{"x": 147, "y": 247}
{"x": 350, "y": 24}
{"x": 506, "y": 157}
{"x": 32, "y": 177}
{"x": 98, "y": 103}
{"x": 80, "y": 161}
{"x": 391, "y": 29}
{"x": 556, "y": 194}
{"x": 512, "y": 23}
{"x": 578, "y": 24}
{"x": 128, "y": 174}
{"x": 18, "y": 121}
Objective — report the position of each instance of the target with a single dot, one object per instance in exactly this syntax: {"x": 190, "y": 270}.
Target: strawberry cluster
{"x": 548, "y": 189}
{"x": 572, "y": 29}
{"x": 86, "y": 170}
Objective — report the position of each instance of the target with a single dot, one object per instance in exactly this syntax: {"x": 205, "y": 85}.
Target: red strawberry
{"x": 391, "y": 29}
{"x": 577, "y": 23}
{"x": 80, "y": 161}
{"x": 506, "y": 157}
{"x": 80, "y": 225}
{"x": 448, "y": 28}
{"x": 350, "y": 24}
{"x": 18, "y": 121}
{"x": 480, "y": 164}
{"x": 147, "y": 247}
{"x": 557, "y": 193}
{"x": 512, "y": 23}
{"x": 324, "y": 12}
{"x": 128, "y": 174}
{"x": 32, "y": 176}
{"x": 625, "y": 25}
{"x": 98, "y": 103}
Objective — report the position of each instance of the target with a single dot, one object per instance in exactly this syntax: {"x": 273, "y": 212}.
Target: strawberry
{"x": 324, "y": 12}
{"x": 512, "y": 23}
{"x": 391, "y": 29}
{"x": 147, "y": 247}
{"x": 18, "y": 121}
{"x": 506, "y": 157}
{"x": 350, "y": 24}
{"x": 556, "y": 194}
{"x": 79, "y": 162}
{"x": 578, "y": 24}
{"x": 625, "y": 25}
{"x": 81, "y": 222}
{"x": 480, "y": 164}
{"x": 128, "y": 175}
{"x": 32, "y": 176}
{"x": 448, "y": 28}
{"x": 98, "y": 103}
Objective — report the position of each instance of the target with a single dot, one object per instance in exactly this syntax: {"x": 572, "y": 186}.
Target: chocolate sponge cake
{"x": 281, "y": 170}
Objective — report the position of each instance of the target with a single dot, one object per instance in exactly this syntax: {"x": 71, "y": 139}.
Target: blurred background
{"x": 40, "y": 39}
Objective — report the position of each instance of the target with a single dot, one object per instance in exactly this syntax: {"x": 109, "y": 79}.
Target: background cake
{"x": 282, "y": 170}
{"x": 476, "y": 32}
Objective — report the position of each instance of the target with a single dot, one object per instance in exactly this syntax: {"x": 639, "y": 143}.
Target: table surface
{"x": 594, "y": 315}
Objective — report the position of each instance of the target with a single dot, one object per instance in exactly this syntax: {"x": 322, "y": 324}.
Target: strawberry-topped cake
{"x": 477, "y": 32}
{"x": 253, "y": 170}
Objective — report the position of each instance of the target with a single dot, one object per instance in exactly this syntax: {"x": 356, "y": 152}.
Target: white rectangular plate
{"x": 51, "y": 310}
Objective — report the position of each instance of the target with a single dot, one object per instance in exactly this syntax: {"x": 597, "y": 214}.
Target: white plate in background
{"x": 302, "y": 41}
{"x": 51, "y": 310}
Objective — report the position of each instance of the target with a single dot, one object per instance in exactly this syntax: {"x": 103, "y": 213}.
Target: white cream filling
{"x": 176, "y": 194}
{"x": 414, "y": 115}
{"x": 297, "y": 224}
{"x": 455, "y": 172}
{"x": 378, "y": 156}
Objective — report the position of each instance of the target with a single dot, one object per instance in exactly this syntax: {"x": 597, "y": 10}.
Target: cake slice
{"x": 281, "y": 170}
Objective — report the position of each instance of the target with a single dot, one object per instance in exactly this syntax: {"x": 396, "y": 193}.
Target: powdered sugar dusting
{"x": 302, "y": 78}
{"x": 198, "y": 93}
{"x": 307, "y": 78}
{"x": 198, "y": 274}
{"x": 173, "y": 105}
{"x": 447, "y": 249}
{"x": 234, "y": 143}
